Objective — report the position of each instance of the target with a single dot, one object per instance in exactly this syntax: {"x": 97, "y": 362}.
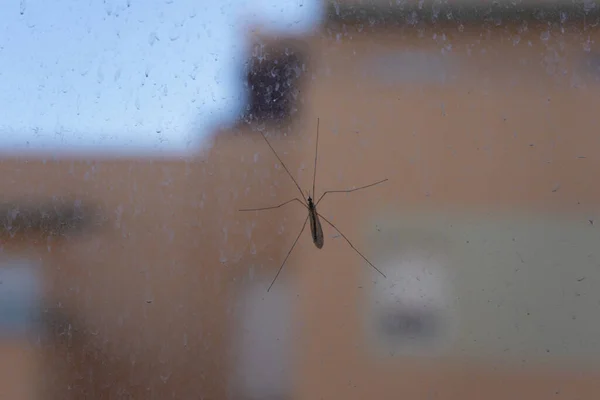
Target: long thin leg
{"x": 351, "y": 245}
{"x": 349, "y": 190}
{"x": 284, "y": 167}
{"x": 288, "y": 254}
{"x": 316, "y": 153}
{"x": 270, "y": 208}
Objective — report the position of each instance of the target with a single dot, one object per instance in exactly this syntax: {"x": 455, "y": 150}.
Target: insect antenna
{"x": 282, "y": 163}
{"x": 316, "y": 153}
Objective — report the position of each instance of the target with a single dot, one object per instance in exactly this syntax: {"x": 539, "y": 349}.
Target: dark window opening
{"x": 274, "y": 78}
{"x": 409, "y": 324}
{"x": 47, "y": 217}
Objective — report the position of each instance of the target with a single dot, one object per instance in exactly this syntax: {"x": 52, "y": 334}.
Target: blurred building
{"x": 483, "y": 119}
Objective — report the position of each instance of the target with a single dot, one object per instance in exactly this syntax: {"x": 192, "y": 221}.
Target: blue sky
{"x": 128, "y": 77}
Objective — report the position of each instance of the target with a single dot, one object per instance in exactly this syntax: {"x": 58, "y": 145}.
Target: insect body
{"x": 315, "y": 224}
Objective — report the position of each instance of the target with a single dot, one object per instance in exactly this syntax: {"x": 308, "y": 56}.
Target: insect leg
{"x": 349, "y": 190}
{"x": 316, "y": 154}
{"x": 284, "y": 167}
{"x": 272, "y": 207}
{"x": 351, "y": 245}
{"x": 288, "y": 254}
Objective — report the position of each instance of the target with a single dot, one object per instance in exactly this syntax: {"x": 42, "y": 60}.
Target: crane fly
{"x": 313, "y": 216}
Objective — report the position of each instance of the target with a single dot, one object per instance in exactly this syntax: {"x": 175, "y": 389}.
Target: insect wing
{"x": 315, "y": 229}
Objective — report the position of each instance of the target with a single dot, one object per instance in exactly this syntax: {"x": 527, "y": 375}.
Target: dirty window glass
{"x": 299, "y": 199}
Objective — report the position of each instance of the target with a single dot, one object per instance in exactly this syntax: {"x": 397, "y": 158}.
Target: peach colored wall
{"x": 148, "y": 293}
{"x": 514, "y": 118}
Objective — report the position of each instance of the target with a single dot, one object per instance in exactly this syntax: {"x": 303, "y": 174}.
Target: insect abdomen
{"x": 315, "y": 229}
